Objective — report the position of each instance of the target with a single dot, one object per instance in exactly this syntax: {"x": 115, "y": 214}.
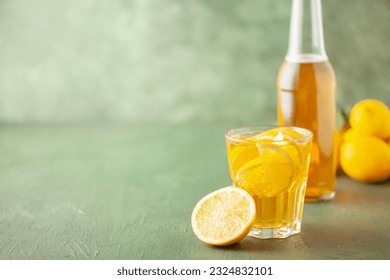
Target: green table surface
{"x": 127, "y": 192}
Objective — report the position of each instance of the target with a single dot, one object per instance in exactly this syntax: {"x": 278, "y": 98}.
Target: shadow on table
{"x": 316, "y": 242}
{"x": 267, "y": 246}
{"x": 360, "y": 194}
{"x": 355, "y": 225}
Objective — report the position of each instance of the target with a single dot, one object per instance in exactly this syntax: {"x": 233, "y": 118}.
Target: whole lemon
{"x": 365, "y": 158}
{"x": 371, "y": 117}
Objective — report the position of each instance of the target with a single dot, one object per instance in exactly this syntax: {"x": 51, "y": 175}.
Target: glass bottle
{"x": 306, "y": 95}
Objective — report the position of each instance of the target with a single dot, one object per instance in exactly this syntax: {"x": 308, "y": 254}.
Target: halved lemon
{"x": 224, "y": 217}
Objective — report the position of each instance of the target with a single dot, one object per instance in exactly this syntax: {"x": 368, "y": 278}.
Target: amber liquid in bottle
{"x": 306, "y": 95}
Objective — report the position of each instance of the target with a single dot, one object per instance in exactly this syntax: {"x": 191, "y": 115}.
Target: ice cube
{"x": 279, "y": 137}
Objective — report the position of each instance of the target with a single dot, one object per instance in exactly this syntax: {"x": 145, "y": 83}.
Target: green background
{"x": 112, "y": 121}
{"x": 173, "y": 60}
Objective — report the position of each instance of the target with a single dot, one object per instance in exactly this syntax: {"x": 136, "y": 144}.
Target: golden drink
{"x": 272, "y": 165}
{"x": 306, "y": 95}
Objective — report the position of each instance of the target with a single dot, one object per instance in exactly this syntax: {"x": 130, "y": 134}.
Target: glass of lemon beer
{"x": 271, "y": 163}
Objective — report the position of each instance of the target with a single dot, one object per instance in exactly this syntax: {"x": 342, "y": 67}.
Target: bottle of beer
{"x": 306, "y": 95}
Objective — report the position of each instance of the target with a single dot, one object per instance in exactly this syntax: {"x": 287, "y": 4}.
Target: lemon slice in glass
{"x": 268, "y": 174}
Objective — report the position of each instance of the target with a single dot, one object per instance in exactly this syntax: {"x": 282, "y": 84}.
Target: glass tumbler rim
{"x": 229, "y": 134}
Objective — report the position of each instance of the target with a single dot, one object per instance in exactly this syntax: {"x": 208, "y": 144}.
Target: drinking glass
{"x": 272, "y": 164}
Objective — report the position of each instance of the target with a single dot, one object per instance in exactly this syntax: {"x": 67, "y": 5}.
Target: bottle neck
{"x": 306, "y": 42}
